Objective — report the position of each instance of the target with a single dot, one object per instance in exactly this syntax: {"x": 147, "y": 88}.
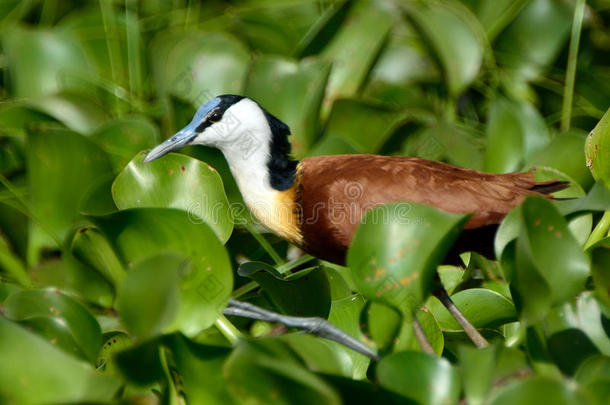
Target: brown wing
{"x": 336, "y": 191}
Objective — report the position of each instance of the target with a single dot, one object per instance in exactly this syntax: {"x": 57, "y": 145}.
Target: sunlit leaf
{"x": 597, "y": 149}
{"x": 396, "y": 249}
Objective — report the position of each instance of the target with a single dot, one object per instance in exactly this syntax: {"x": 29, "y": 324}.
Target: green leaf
{"x": 305, "y": 293}
{"x": 363, "y": 392}
{"x": 280, "y": 378}
{"x": 536, "y": 390}
{"x": 534, "y": 39}
{"x": 483, "y": 308}
{"x": 122, "y": 138}
{"x": 365, "y": 126}
{"x": 76, "y": 112}
{"x": 406, "y": 339}
{"x": 148, "y": 299}
{"x": 456, "y": 43}
{"x": 566, "y": 154}
{"x": 597, "y": 149}
{"x": 68, "y": 318}
{"x": 600, "y": 259}
{"x": 197, "y": 66}
{"x": 594, "y": 376}
{"x": 43, "y": 61}
{"x": 382, "y": 255}
{"x": 424, "y": 378}
{"x": 176, "y": 181}
{"x": 61, "y": 166}
{"x": 514, "y": 132}
{"x": 354, "y": 47}
{"x": 477, "y": 367}
{"x": 93, "y": 249}
{"x": 50, "y": 374}
{"x": 293, "y": 92}
{"x": 198, "y": 367}
{"x": 204, "y": 290}
{"x": 551, "y": 266}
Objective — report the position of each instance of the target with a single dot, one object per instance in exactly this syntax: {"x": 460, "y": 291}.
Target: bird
{"x": 318, "y": 202}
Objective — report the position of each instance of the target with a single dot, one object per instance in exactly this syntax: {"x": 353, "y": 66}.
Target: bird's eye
{"x": 214, "y": 117}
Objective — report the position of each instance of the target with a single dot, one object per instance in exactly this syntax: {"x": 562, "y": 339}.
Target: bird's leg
{"x": 421, "y": 337}
{"x": 455, "y": 312}
{"x": 316, "y": 326}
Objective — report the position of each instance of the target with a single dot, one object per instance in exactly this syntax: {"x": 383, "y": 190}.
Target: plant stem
{"x": 455, "y": 312}
{"x": 600, "y": 231}
{"x": 132, "y": 28}
{"x": 568, "y": 92}
{"x": 265, "y": 244}
{"x": 228, "y": 330}
{"x": 421, "y": 337}
{"x": 244, "y": 289}
{"x": 106, "y": 7}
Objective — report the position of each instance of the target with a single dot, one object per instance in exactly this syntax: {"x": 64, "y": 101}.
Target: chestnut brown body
{"x": 334, "y": 192}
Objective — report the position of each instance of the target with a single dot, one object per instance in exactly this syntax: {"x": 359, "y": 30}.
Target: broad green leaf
{"x": 92, "y": 248}
{"x": 66, "y": 316}
{"x": 281, "y": 379}
{"x": 141, "y": 364}
{"x": 483, "y": 308}
{"x": 594, "y": 376}
{"x": 198, "y": 366}
{"x": 149, "y": 298}
{"x": 396, "y": 249}
{"x": 597, "y": 149}
{"x": 274, "y": 29}
{"x": 69, "y": 275}
{"x": 122, "y": 138}
{"x": 566, "y": 154}
{"x": 345, "y": 314}
{"x": 383, "y": 324}
{"x": 176, "y": 181}
{"x": 534, "y": 38}
{"x": 477, "y": 367}
{"x": 600, "y": 260}
{"x": 354, "y": 47}
{"x": 293, "y": 92}
{"x": 536, "y": 390}
{"x": 453, "y": 39}
{"x": 454, "y": 144}
{"x": 15, "y": 117}
{"x": 197, "y": 66}
{"x": 43, "y": 61}
{"x": 76, "y": 112}
{"x": 366, "y": 126}
{"x": 551, "y": 266}
{"x": 320, "y": 355}
{"x": 204, "y": 290}
{"x": 363, "y": 392}
{"x": 514, "y": 132}
{"x": 50, "y": 374}
{"x": 406, "y": 339}
{"x": 421, "y": 377}
{"x": 305, "y": 293}
{"x": 61, "y": 166}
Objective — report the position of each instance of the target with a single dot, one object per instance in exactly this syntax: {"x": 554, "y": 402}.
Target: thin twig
{"x": 455, "y": 312}
{"x": 316, "y": 326}
{"x": 421, "y": 337}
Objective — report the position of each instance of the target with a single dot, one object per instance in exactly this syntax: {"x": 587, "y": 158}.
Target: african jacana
{"x": 317, "y": 203}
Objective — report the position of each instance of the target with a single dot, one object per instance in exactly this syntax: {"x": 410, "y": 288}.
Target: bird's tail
{"x": 548, "y": 187}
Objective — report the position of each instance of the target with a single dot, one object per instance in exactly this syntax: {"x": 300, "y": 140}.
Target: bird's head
{"x": 228, "y": 122}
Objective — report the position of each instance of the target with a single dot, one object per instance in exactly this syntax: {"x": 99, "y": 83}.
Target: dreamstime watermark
{"x": 347, "y": 209}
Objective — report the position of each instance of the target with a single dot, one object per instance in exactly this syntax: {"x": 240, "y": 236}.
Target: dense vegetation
{"x": 114, "y": 275}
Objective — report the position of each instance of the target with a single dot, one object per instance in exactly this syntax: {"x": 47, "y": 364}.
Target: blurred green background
{"x": 99, "y": 256}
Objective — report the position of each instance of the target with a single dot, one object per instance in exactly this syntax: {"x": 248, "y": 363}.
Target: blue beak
{"x": 185, "y": 135}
